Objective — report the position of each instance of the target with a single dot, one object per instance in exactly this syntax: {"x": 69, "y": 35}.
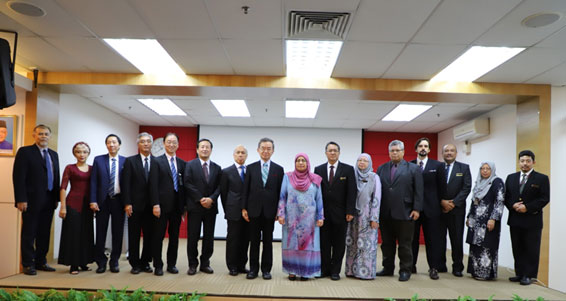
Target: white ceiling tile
{"x": 442, "y": 112}
{"x": 299, "y": 122}
{"x": 209, "y": 120}
{"x": 49, "y": 58}
{"x": 558, "y": 40}
{"x": 416, "y": 126}
{"x": 239, "y": 121}
{"x": 180, "y": 120}
{"x": 389, "y": 21}
{"x": 266, "y": 109}
{"x": 325, "y": 122}
{"x": 365, "y": 59}
{"x": 6, "y": 23}
{"x": 462, "y": 21}
{"x": 257, "y": 57}
{"x": 555, "y": 76}
{"x": 263, "y": 20}
{"x": 262, "y": 121}
{"x": 423, "y": 61}
{"x": 385, "y": 126}
{"x": 370, "y": 110}
{"x": 357, "y": 123}
{"x": 335, "y": 109}
{"x": 441, "y": 126}
{"x": 322, "y": 5}
{"x": 199, "y": 56}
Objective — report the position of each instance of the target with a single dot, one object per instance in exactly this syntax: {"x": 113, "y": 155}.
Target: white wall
{"x": 288, "y": 142}
{"x": 499, "y": 147}
{"x": 557, "y": 278}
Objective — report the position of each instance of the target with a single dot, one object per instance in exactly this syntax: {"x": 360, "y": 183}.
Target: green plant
{"x": 23, "y": 295}
{"x": 466, "y": 298}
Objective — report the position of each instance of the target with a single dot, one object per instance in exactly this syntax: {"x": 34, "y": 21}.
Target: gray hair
{"x": 265, "y": 139}
{"x": 240, "y": 145}
{"x": 397, "y": 143}
{"x": 144, "y": 134}
{"x": 445, "y": 145}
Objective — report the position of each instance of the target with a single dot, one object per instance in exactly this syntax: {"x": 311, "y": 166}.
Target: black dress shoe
{"x": 135, "y": 271}
{"x": 266, "y": 275}
{"x": 433, "y": 274}
{"x": 304, "y": 278}
{"x": 45, "y": 268}
{"x": 85, "y": 268}
{"x": 414, "y": 270}
{"x": 147, "y": 269}
{"x": 404, "y": 276}
{"x": 233, "y": 273}
{"x": 101, "y": 269}
{"x": 192, "y": 270}
{"x": 172, "y": 270}
{"x": 207, "y": 270}
{"x": 243, "y": 271}
{"x": 158, "y": 272}
{"x": 115, "y": 269}
{"x": 251, "y": 275}
{"x": 384, "y": 272}
{"x": 515, "y": 278}
{"x": 292, "y": 277}
{"x": 525, "y": 281}
{"x": 457, "y": 273}
{"x": 30, "y": 271}
{"x": 335, "y": 277}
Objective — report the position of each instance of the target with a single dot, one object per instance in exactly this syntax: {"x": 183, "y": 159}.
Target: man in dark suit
{"x": 231, "y": 186}
{"x": 401, "y": 203}
{"x": 106, "y": 201}
{"x": 339, "y": 199}
{"x": 434, "y": 186}
{"x": 262, "y": 187}
{"x": 167, "y": 201}
{"x": 135, "y": 194}
{"x": 458, "y": 186}
{"x": 526, "y": 194}
{"x": 202, "y": 181}
{"x": 36, "y": 189}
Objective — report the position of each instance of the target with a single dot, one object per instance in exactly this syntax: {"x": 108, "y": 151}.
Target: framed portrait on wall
{"x": 8, "y": 135}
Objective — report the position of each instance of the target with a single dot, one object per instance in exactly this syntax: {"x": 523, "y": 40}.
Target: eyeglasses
{"x": 301, "y": 161}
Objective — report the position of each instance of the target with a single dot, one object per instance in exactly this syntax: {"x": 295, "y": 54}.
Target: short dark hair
{"x": 113, "y": 135}
{"x": 204, "y": 139}
{"x": 527, "y": 153}
{"x": 42, "y": 126}
{"x": 265, "y": 139}
{"x": 331, "y": 143}
{"x": 81, "y": 143}
{"x": 170, "y": 134}
{"x": 421, "y": 140}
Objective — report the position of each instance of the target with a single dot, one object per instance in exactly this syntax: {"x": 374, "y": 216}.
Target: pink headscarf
{"x": 302, "y": 180}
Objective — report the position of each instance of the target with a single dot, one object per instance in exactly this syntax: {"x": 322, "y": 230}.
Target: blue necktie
{"x": 264, "y": 172}
{"x": 112, "y": 178}
{"x": 242, "y": 172}
{"x": 49, "y": 170}
{"x": 174, "y": 174}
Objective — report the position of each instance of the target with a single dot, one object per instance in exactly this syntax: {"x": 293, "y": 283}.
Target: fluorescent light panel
{"x": 404, "y": 112}
{"x": 163, "y": 106}
{"x": 311, "y": 58}
{"x": 231, "y": 107}
{"x": 476, "y": 62}
{"x": 147, "y": 55}
{"x": 301, "y": 108}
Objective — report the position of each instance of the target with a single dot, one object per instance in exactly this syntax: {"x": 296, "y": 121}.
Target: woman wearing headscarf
{"x": 301, "y": 214}
{"x": 361, "y": 237}
{"x": 484, "y": 223}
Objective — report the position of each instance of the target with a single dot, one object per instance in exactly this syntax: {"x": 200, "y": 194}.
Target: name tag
{"x": 535, "y": 185}
{"x": 342, "y": 178}
{"x": 459, "y": 174}
{"x": 432, "y": 170}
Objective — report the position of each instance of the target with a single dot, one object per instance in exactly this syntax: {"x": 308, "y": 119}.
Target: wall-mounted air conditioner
{"x": 471, "y": 130}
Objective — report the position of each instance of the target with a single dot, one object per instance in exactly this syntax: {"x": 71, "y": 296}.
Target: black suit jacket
{"x": 535, "y": 196}
{"x": 339, "y": 198}
{"x": 162, "y": 188}
{"x": 231, "y": 189}
{"x": 434, "y": 186}
{"x": 134, "y": 185}
{"x": 257, "y": 199}
{"x": 402, "y": 195}
{"x": 30, "y": 178}
{"x": 458, "y": 187}
{"x": 197, "y": 187}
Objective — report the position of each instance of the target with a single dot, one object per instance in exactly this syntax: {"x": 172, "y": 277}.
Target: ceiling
{"x": 400, "y": 39}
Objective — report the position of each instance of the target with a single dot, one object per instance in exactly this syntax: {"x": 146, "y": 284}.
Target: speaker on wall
{"x": 7, "y": 91}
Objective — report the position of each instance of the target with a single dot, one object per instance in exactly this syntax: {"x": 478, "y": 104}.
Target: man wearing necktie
{"x": 262, "y": 188}
{"x": 434, "y": 185}
{"x": 202, "y": 182}
{"x": 237, "y": 238}
{"x": 135, "y": 193}
{"x": 401, "y": 204}
{"x": 36, "y": 190}
{"x": 167, "y": 202}
{"x": 106, "y": 202}
{"x": 453, "y": 203}
{"x": 527, "y": 192}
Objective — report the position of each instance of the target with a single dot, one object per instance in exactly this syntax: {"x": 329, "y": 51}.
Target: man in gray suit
{"x": 401, "y": 203}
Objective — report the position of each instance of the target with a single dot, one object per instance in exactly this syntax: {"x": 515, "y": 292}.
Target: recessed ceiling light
{"x": 162, "y": 106}
{"x": 406, "y": 112}
{"x": 311, "y": 58}
{"x": 26, "y": 9}
{"x": 231, "y": 107}
{"x": 541, "y": 19}
{"x": 301, "y": 108}
{"x": 147, "y": 55}
{"x": 476, "y": 62}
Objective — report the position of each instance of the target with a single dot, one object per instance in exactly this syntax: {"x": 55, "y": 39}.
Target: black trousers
{"x": 237, "y": 242}
{"x": 393, "y": 231}
{"x": 112, "y": 208}
{"x": 194, "y": 222}
{"x": 36, "y": 231}
{"x": 454, "y": 224}
{"x": 160, "y": 225}
{"x": 432, "y": 231}
{"x": 261, "y": 230}
{"x": 332, "y": 246}
{"x": 138, "y": 222}
{"x": 526, "y": 250}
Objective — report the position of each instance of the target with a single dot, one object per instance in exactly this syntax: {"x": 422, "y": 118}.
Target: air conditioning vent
{"x": 318, "y": 25}
{"x": 471, "y": 130}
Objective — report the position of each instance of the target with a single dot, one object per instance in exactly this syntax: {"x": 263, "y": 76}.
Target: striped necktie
{"x": 112, "y": 181}
{"x": 174, "y": 174}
